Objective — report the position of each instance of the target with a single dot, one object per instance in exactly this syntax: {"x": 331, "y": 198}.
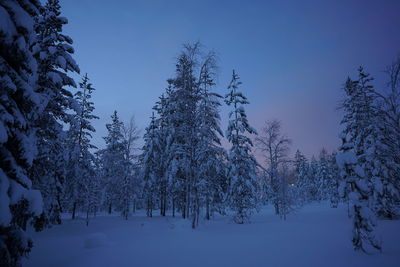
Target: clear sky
{"x": 292, "y": 56}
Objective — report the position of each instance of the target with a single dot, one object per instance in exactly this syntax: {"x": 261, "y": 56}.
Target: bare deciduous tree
{"x": 131, "y": 133}
{"x": 274, "y": 147}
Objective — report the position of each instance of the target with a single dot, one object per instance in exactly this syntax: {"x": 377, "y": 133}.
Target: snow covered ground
{"x": 317, "y": 236}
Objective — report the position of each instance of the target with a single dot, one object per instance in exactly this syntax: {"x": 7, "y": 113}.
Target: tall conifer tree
{"x": 20, "y": 104}
{"x": 242, "y": 164}
{"x": 53, "y": 52}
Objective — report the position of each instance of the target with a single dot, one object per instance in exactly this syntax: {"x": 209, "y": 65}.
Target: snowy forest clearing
{"x": 186, "y": 162}
{"x": 316, "y": 235}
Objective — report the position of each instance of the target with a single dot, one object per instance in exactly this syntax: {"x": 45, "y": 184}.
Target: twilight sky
{"x": 292, "y": 56}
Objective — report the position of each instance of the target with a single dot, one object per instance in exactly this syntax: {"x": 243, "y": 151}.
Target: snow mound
{"x": 95, "y": 240}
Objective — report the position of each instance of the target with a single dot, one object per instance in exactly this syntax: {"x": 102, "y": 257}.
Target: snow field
{"x": 317, "y": 235}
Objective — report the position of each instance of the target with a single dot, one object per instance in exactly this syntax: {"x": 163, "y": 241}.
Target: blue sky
{"x": 292, "y": 56}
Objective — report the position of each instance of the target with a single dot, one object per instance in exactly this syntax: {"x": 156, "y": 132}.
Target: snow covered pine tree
{"x": 387, "y": 149}
{"x": 242, "y": 164}
{"x": 53, "y": 53}
{"x": 150, "y": 165}
{"x": 301, "y": 175}
{"x": 161, "y": 135}
{"x": 81, "y": 161}
{"x": 115, "y": 171}
{"x": 19, "y": 105}
{"x": 210, "y": 186}
{"x": 184, "y": 100}
{"x": 353, "y": 161}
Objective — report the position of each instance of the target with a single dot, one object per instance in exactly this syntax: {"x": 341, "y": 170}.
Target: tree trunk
{"x": 59, "y": 203}
{"x": 348, "y": 209}
{"x": 194, "y": 220}
{"x": 164, "y": 196}
{"x": 87, "y": 216}
{"x": 126, "y": 210}
{"x": 187, "y": 206}
{"x": 184, "y": 215}
{"x": 173, "y": 207}
{"x": 74, "y": 211}
{"x": 150, "y": 208}
{"x": 197, "y": 211}
{"x": 208, "y": 209}
{"x": 276, "y": 205}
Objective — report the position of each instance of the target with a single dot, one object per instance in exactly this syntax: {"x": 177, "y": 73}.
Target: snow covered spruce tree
{"x": 301, "y": 176}
{"x": 53, "y": 53}
{"x": 334, "y": 181}
{"x": 188, "y": 174}
{"x": 150, "y": 167}
{"x": 164, "y": 189}
{"x": 242, "y": 173}
{"x": 313, "y": 182}
{"x": 184, "y": 101}
{"x": 80, "y": 160}
{"x": 388, "y": 145}
{"x": 115, "y": 166}
{"x": 354, "y": 161}
{"x": 322, "y": 176}
{"x": 163, "y": 136}
{"x": 20, "y": 104}
{"x": 167, "y": 141}
{"x": 209, "y": 178}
